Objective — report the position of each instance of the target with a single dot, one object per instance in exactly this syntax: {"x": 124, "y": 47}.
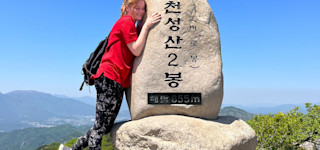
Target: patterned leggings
{"x": 109, "y": 98}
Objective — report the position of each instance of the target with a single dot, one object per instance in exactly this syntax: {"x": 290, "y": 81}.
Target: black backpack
{"x": 91, "y": 65}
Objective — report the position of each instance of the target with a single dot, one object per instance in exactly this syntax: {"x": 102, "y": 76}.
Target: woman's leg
{"x": 109, "y": 98}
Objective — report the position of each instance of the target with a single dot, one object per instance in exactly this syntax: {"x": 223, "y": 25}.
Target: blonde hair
{"x": 130, "y": 3}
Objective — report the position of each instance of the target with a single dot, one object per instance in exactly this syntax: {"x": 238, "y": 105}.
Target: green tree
{"x": 105, "y": 145}
{"x": 311, "y": 125}
{"x": 287, "y": 130}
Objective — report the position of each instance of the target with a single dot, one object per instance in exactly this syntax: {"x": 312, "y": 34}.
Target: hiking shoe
{"x": 63, "y": 147}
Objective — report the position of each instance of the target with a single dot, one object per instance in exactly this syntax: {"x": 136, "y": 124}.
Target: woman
{"x": 114, "y": 73}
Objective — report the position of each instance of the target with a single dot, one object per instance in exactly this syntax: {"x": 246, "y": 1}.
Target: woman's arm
{"x": 137, "y": 46}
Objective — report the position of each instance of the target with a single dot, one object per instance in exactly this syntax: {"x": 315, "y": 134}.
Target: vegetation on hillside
{"x": 31, "y": 138}
{"x": 287, "y": 130}
{"x": 106, "y": 144}
{"x": 274, "y": 131}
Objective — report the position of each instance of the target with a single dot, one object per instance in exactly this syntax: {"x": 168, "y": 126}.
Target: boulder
{"x": 180, "y": 70}
{"x": 309, "y": 145}
{"x": 171, "y": 132}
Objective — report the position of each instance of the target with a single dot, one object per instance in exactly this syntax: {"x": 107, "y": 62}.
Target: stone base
{"x": 171, "y": 132}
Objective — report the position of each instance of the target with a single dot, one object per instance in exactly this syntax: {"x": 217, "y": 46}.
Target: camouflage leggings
{"x": 109, "y": 98}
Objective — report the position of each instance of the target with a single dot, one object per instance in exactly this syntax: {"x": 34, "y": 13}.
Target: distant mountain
{"x": 86, "y": 99}
{"x": 21, "y": 109}
{"x": 271, "y": 109}
{"x": 123, "y": 114}
{"x": 31, "y": 138}
{"x": 236, "y": 112}
{"x": 60, "y": 96}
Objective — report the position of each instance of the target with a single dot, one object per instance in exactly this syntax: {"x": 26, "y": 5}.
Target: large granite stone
{"x": 182, "y": 55}
{"x": 172, "y": 132}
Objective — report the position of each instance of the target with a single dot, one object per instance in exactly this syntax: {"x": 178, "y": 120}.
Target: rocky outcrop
{"x": 172, "y": 132}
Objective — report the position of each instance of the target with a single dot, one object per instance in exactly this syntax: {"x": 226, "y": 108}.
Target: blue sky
{"x": 270, "y": 49}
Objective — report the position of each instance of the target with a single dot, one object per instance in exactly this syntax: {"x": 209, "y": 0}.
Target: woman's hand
{"x": 137, "y": 46}
{"x": 152, "y": 20}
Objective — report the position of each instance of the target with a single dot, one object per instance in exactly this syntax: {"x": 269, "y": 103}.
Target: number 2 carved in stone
{"x": 174, "y": 58}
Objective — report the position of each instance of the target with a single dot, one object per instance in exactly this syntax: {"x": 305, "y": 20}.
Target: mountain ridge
{"x": 236, "y": 112}
{"x": 271, "y": 109}
{"x": 29, "y": 108}
{"x": 22, "y": 109}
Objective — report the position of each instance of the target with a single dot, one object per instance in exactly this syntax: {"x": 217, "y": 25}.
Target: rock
{"x": 171, "y": 132}
{"x": 182, "y": 57}
{"x": 317, "y": 142}
{"x": 307, "y": 145}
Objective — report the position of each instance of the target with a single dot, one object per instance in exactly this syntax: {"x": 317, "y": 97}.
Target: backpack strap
{"x": 111, "y": 43}
{"x": 104, "y": 45}
{"x": 81, "y": 86}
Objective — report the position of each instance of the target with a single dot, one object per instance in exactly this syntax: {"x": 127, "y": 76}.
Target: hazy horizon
{"x": 238, "y": 97}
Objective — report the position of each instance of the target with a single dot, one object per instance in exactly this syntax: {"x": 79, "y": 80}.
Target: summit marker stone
{"x": 180, "y": 70}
